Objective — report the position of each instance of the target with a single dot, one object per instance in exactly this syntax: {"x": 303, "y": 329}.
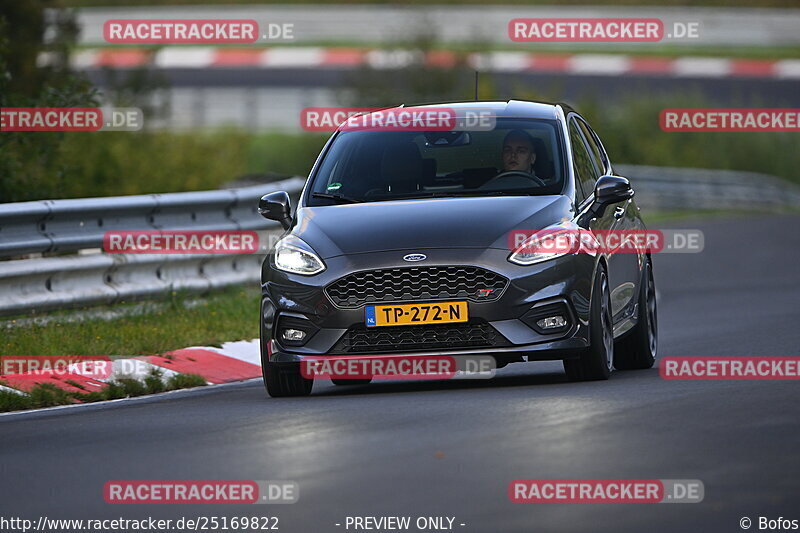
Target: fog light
{"x": 551, "y": 322}
{"x": 293, "y": 334}
{"x": 294, "y": 330}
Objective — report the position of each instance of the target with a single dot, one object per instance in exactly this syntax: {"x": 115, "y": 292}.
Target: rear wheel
{"x": 285, "y": 380}
{"x": 337, "y": 381}
{"x": 596, "y": 362}
{"x": 638, "y": 349}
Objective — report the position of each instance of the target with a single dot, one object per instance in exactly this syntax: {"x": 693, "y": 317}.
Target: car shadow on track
{"x": 501, "y": 380}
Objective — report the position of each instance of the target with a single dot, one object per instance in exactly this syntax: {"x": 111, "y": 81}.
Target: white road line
{"x": 84, "y": 59}
{"x": 247, "y": 351}
{"x": 178, "y": 57}
{"x": 150, "y": 398}
{"x": 390, "y": 59}
{"x": 121, "y": 368}
{"x": 9, "y": 389}
{"x": 788, "y": 68}
{"x": 280, "y": 57}
{"x": 504, "y": 61}
{"x": 607, "y": 64}
{"x": 705, "y": 67}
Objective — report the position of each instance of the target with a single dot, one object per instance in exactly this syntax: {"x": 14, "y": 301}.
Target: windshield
{"x": 516, "y": 157}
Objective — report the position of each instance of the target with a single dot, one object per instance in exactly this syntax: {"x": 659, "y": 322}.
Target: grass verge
{"x": 88, "y": 164}
{"x": 229, "y": 314}
{"x": 333, "y": 3}
{"x": 48, "y": 395}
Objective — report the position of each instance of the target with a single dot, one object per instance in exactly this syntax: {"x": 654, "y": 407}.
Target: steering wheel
{"x": 522, "y": 173}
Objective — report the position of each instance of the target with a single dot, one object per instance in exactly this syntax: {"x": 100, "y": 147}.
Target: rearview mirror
{"x": 276, "y": 206}
{"x": 447, "y": 138}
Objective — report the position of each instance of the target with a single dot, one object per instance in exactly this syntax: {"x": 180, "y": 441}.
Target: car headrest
{"x": 543, "y": 166}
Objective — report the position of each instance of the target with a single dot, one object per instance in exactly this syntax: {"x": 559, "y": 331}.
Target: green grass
{"x": 284, "y": 153}
{"x": 667, "y": 50}
{"x": 717, "y": 3}
{"x": 123, "y": 163}
{"x": 632, "y": 135}
{"x": 48, "y": 395}
{"x": 154, "y": 162}
{"x": 231, "y": 314}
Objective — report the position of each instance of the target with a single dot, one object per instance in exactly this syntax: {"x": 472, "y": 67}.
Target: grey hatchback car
{"x": 400, "y": 245}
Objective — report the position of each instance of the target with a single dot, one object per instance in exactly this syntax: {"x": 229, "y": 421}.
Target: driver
{"x": 518, "y": 152}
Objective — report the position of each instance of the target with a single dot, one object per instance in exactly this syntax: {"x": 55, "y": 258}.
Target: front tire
{"x": 285, "y": 380}
{"x": 596, "y": 362}
{"x": 637, "y": 350}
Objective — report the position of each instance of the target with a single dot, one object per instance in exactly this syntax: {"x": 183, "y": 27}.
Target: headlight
{"x": 294, "y": 255}
{"x": 554, "y": 241}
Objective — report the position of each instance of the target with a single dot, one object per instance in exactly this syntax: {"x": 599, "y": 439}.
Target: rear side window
{"x": 585, "y": 172}
{"x": 598, "y": 156}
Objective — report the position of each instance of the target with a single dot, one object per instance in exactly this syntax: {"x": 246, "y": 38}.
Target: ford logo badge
{"x": 415, "y": 257}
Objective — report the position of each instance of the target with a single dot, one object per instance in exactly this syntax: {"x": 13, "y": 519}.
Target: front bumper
{"x": 565, "y": 280}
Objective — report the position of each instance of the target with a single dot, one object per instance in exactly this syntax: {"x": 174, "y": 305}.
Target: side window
{"x": 598, "y": 156}
{"x": 585, "y": 171}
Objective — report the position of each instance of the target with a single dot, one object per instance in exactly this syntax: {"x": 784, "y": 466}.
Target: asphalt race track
{"x": 451, "y": 448}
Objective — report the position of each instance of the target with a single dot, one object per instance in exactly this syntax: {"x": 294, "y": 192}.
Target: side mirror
{"x": 612, "y": 190}
{"x": 276, "y": 206}
{"x": 608, "y": 190}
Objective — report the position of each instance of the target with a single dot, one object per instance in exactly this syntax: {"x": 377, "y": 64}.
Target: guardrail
{"x": 87, "y": 276}
{"x": 697, "y": 188}
{"x": 72, "y": 225}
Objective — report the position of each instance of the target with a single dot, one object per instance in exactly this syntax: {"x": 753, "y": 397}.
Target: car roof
{"x": 510, "y": 108}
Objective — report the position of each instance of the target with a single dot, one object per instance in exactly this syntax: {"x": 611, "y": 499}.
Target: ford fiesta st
{"x": 400, "y": 245}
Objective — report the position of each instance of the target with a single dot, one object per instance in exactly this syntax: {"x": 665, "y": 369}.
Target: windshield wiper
{"x": 336, "y": 197}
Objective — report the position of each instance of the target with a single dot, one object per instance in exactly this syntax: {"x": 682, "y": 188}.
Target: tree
{"x": 29, "y": 163}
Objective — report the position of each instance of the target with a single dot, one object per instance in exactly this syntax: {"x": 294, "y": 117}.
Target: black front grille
{"x": 416, "y": 283}
{"x": 473, "y": 334}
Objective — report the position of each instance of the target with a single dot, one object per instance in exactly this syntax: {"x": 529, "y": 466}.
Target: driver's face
{"x": 518, "y": 154}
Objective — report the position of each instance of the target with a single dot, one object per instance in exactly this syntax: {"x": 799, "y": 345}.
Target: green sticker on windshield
{"x": 335, "y": 186}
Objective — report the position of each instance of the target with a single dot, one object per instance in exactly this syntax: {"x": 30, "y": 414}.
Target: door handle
{"x": 619, "y": 211}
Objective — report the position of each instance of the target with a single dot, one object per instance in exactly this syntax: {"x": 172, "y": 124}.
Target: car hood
{"x": 482, "y": 222}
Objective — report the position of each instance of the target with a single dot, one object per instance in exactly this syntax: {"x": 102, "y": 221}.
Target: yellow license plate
{"x": 416, "y": 314}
